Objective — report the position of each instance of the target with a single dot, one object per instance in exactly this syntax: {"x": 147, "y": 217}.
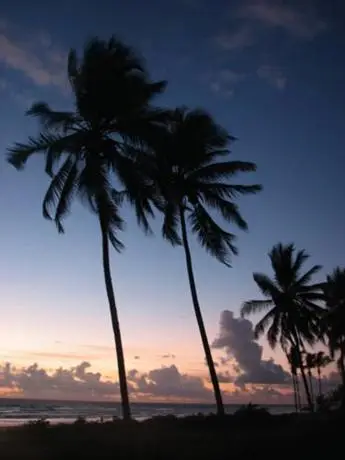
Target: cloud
{"x": 168, "y": 356}
{"x": 225, "y": 377}
{"x": 273, "y": 76}
{"x": 37, "y": 59}
{"x": 224, "y": 81}
{"x": 78, "y": 382}
{"x": 298, "y": 19}
{"x": 236, "y": 337}
{"x": 168, "y": 382}
{"x": 241, "y": 38}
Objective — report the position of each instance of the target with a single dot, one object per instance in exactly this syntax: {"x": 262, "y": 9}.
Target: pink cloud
{"x": 43, "y": 69}
{"x": 298, "y": 20}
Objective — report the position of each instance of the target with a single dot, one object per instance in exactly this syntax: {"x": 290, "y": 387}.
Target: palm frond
{"x": 19, "y": 154}
{"x": 170, "y": 225}
{"x": 139, "y": 189}
{"x": 57, "y": 184}
{"x": 66, "y": 196}
{"x": 223, "y": 170}
{"x": 251, "y": 307}
{"x": 274, "y": 331}
{"x": 229, "y": 210}
{"x": 301, "y": 258}
{"x": 231, "y": 191}
{"x": 266, "y": 285}
{"x": 50, "y": 119}
{"x": 211, "y": 236}
{"x": 307, "y": 277}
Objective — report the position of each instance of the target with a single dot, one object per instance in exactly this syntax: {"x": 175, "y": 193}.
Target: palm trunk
{"x": 342, "y": 373}
{"x": 298, "y": 394}
{"x": 294, "y": 391}
{"x": 126, "y": 411}
{"x": 310, "y": 375}
{"x": 342, "y": 363}
{"x": 197, "y": 310}
{"x": 319, "y": 380}
{"x": 301, "y": 366}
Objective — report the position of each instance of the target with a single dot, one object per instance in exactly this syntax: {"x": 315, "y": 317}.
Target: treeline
{"x": 301, "y": 314}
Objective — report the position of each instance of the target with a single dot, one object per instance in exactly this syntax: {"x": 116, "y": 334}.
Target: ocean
{"x": 19, "y": 411}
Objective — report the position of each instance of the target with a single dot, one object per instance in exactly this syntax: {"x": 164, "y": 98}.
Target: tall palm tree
{"x": 321, "y": 361}
{"x": 84, "y": 151}
{"x": 334, "y": 319}
{"x": 191, "y": 170}
{"x": 292, "y": 303}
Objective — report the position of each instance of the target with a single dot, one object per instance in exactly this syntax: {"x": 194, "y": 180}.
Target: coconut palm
{"x": 321, "y": 361}
{"x": 292, "y": 303}
{"x": 334, "y": 319}
{"x": 191, "y": 171}
{"x": 84, "y": 150}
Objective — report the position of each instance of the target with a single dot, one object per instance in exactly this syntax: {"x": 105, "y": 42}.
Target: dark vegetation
{"x": 246, "y": 434}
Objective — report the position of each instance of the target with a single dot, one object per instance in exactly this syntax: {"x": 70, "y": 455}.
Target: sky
{"x": 272, "y": 72}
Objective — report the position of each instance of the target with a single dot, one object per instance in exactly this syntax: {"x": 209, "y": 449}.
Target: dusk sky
{"x": 273, "y": 73}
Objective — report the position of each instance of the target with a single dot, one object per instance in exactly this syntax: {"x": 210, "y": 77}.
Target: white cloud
{"x": 299, "y": 20}
{"x": 272, "y": 75}
{"x": 223, "y": 82}
{"x": 37, "y": 59}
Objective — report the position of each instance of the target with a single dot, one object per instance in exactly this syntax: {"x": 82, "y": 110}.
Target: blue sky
{"x": 271, "y": 72}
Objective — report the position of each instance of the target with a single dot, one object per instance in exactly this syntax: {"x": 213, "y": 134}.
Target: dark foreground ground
{"x": 251, "y": 436}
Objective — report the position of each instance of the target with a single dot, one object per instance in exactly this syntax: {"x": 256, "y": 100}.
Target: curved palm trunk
{"x": 126, "y": 411}
{"x": 197, "y": 310}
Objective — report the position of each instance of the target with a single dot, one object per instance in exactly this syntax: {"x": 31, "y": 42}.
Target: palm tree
{"x": 84, "y": 151}
{"x": 321, "y": 361}
{"x": 292, "y": 303}
{"x": 334, "y": 319}
{"x": 292, "y": 357}
{"x": 191, "y": 170}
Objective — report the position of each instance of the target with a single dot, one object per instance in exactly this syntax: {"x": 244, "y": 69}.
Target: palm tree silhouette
{"x": 334, "y": 319}
{"x": 190, "y": 169}
{"x": 85, "y": 151}
{"x": 321, "y": 361}
{"x": 294, "y": 312}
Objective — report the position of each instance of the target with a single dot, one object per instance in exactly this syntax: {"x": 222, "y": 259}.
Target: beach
{"x": 14, "y": 412}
